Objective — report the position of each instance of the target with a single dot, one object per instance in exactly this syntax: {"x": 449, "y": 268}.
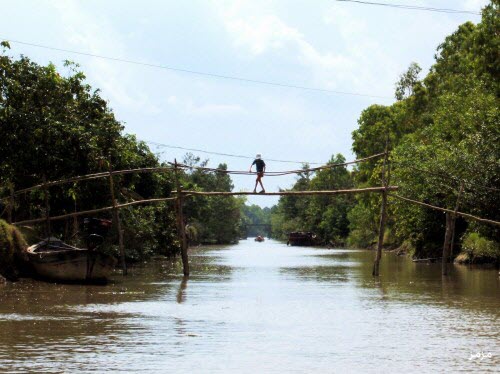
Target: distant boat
{"x": 259, "y": 239}
{"x": 53, "y": 259}
{"x": 300, "y": 238}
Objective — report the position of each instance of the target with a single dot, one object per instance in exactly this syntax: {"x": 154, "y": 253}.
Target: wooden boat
{"x": 300, "y": 238}
{"x": 259, "y": 239}
{"x": 55, "y": 260}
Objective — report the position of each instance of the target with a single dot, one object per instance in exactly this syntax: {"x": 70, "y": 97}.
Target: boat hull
{"x": 71, "y": 265}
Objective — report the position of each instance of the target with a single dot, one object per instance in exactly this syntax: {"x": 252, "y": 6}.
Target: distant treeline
{"x": 443, "y": 134}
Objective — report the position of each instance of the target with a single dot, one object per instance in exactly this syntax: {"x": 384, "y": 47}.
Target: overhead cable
{"x": 413, "y": 7}
{"x": 200, "y": 73}
{"x": 227, "y": 154}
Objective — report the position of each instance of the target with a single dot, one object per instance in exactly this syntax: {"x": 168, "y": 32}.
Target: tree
{"x": 54, "y": 127}
{"x": 444, "y": 132}
{"x": 407, "y": 82}
{"x": 216, "y": 218}
{"x": 324, "y": 215}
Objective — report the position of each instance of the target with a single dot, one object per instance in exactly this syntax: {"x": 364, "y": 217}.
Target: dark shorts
{"x": 260, "y": 174}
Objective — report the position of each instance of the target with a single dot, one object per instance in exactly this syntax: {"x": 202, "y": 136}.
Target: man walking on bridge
{"x": 261, "y": 168}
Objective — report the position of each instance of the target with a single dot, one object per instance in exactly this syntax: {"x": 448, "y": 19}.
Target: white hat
{"x": 258, "y": 156}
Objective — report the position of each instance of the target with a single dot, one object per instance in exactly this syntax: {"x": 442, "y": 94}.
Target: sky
{"x": 323, "y": 44}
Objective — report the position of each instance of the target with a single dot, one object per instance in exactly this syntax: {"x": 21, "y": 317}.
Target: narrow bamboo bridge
{"x": 179, "y": 195}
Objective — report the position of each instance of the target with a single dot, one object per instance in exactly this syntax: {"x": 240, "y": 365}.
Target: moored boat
{"x": 52, "y": 259}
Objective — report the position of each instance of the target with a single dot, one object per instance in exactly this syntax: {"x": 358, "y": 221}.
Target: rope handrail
{"x": 466, "y": 215}
{"x": 279, "y": 173}
{"x": 163, "y": 168}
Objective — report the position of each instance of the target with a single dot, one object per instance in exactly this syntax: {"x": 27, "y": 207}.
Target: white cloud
{"x": 346, "y": 24}
{"x": 347, "y": 64}
{"x": 94, "y": 34}
{"x": 261, "y": 32}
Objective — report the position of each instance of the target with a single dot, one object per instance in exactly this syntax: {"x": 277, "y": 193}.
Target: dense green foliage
{"x": 444, "y": 132}
{"x": 55, "y": 127}
{"x": 324, "y": 215}
{"x": 255, "y": 221}
{"x": 214, "y": 219}
{"x": 476, "y": 249}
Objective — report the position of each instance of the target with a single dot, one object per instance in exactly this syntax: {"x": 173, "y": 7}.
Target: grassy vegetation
{"x": 12, "y": 251}
{"x": 477, "y": 250}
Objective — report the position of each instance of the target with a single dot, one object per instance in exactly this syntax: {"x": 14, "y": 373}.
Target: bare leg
{"x": 260, "y": 181}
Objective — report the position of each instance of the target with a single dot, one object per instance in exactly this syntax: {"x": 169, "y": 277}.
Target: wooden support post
{"x": 75, "y": 225}
{"x": 180, "y": 223}
{"x": 47, "y": 207}
{"x": 383, "y": 217}
{"x": 10, "y": 210}
{"x": 381, "y": 231}
{"x": 446, "y": 245}
{"x": 449, "y": 236}
{"x": 454, "y": 218}
{"x": 116, "y": 213}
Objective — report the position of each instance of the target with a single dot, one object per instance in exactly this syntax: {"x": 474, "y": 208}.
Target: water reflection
{"x": 324, "y": 273}
{"x": 181, "y": 294}
{"x": 257, "y": 307}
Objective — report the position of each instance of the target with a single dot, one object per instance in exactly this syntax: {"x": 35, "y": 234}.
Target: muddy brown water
{"x": 258, "y": 308}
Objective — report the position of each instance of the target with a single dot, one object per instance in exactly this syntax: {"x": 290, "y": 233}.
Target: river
{"x": 258, "y": 308}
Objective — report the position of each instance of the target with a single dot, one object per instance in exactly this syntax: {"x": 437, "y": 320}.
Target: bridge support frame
{"x": 181, "y": 227}
{"x": 116, "y": 213}
{"x": 383, "y": 212}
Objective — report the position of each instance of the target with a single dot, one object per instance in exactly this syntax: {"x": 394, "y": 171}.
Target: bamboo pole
{"x": 180, "y": 223}
{"x": 298, "y": 193}
{"x": 446, "y": 244}
{"x": 47, "y": 207}
{"x": 466, "y": 215}
{"x": 10, "y": 210}
{"x": 383, "y": 217}
{"x": 93, "y": 176}
{"x": 116, "y": 213}
{"x": 454, "y": 218}
{"x": 74, "y": 231}
{"x": 190, "y": 193}
{"x": 93, "y": 211}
